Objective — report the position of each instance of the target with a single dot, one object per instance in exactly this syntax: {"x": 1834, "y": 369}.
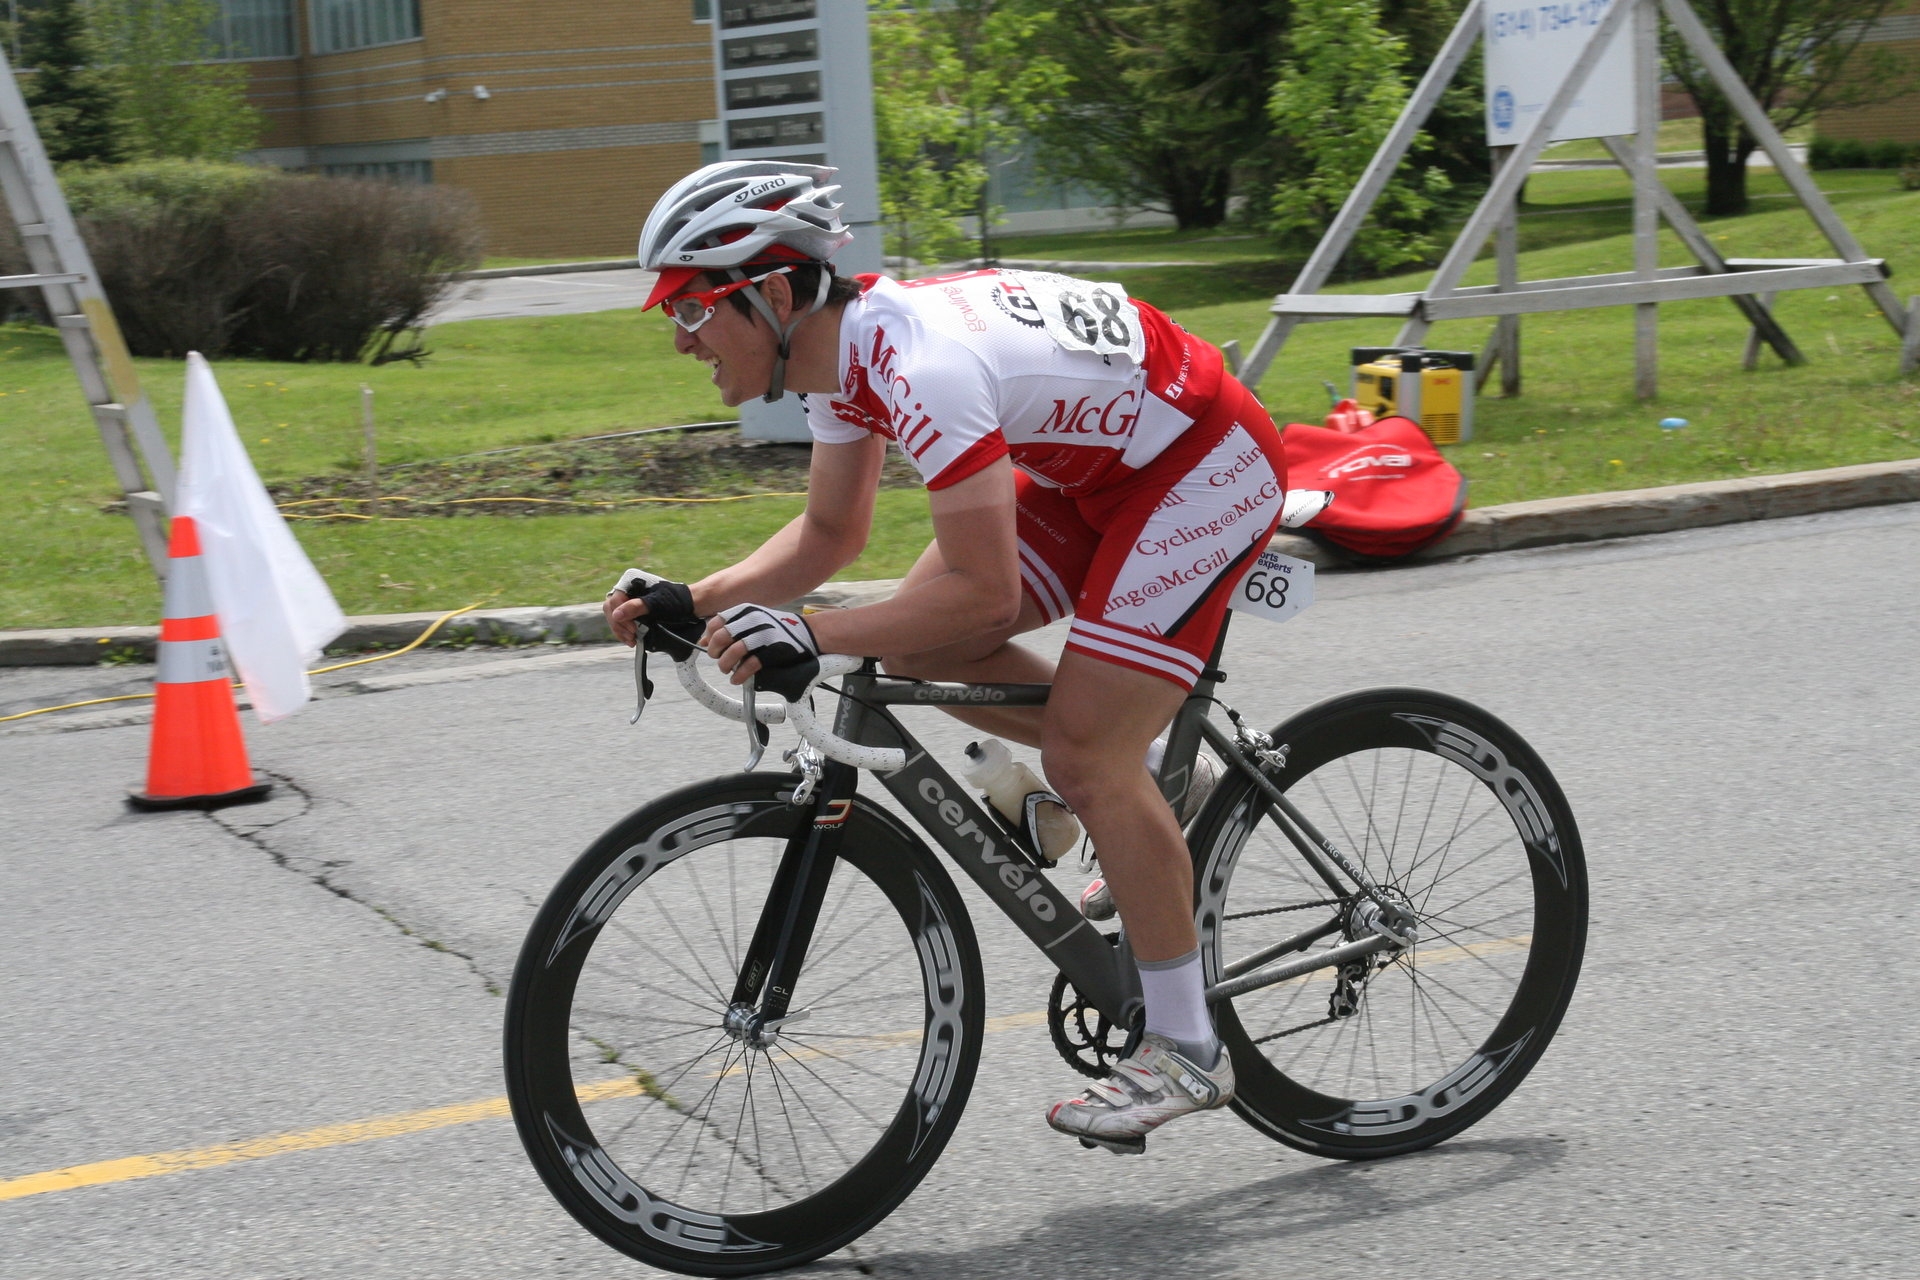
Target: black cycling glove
{"x": 669, "y": 625}
{"x": 789, "y": 655}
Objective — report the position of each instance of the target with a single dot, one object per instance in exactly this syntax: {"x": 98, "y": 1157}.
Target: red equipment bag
{"x": 1394, "y": 493}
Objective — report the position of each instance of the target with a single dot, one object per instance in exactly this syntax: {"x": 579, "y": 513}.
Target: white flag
{"x": 276, "y": 613}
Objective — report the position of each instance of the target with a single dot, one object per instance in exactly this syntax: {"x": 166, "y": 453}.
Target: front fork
{"x": 770, "y": 970}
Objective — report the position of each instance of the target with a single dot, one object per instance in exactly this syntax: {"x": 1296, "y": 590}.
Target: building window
{"x": 400, "y": 171}
{"x": 255, "y": 29}
{"x": 339, "y": 25}
{"x": 703, "y": 10}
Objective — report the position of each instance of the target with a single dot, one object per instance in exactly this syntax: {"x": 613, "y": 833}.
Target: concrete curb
{"x": 1516, "y": 525}
{"x": 548, "y": 269}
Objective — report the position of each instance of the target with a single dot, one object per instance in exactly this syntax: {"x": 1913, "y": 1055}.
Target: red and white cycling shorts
{"x": 1147, "y": 566}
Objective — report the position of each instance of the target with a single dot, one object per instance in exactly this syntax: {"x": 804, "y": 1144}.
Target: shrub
{"x": 349, "y": 264}
{"x": 163, "y": 236}
{"x": 232, "y": 260}
{"x": 1846, "y": 153}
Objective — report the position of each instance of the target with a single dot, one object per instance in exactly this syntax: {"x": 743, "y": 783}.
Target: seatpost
{"x": 1183, "y": 739}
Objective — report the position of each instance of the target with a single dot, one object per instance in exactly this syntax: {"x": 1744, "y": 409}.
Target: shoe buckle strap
{"x": 1185, "y": 1075}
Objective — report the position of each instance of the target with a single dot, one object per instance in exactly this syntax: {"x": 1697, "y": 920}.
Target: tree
{"x": 1166, "y": 99}
{"x": 953, "y": 84}
{"x": 926, "y": 184}
{"x": 171, "y": 100}
{"x": 71, "y": 107}
{"x": 1167, "y": 109}
{"x": 1798, "y": 57}
{"x": 1334, "y": 101}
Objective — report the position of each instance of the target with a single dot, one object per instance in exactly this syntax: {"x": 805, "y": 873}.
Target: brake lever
{"x": 756, "y": 732}
{"x": 642, "y": 686}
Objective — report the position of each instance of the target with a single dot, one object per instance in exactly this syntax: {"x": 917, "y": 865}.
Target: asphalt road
{"x": 1733, "y": 713}
{"x": 569, "y": 293}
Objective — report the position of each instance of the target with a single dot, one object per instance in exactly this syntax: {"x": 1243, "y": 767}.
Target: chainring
{"x": 1090, "y": 1042}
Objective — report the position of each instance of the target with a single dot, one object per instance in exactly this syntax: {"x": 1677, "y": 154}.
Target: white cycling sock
{"x": 1156, "y": 752}
{"x": 1177, "y": 1006}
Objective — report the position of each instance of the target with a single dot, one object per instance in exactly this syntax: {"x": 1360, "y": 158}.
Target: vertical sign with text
{"x": 1531, "y": 48}
{"x": 794, "y": 82}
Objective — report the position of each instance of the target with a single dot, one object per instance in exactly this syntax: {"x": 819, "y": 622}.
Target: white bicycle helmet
{"x": 737, "y": 213}
{"x": 742, "y": 211}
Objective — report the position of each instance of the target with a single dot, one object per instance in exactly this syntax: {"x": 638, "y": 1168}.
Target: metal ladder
{"x": 63, "y": 272}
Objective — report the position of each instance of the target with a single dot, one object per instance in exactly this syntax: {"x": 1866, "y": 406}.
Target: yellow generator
{"x": 1434, "y": 388}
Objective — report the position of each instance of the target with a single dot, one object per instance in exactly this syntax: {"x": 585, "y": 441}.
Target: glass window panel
{"x": 255, "y": 29}
{"x": 339, "y": 25}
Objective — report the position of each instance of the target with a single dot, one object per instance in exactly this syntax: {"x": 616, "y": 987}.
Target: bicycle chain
{"x": 1293, "y": 1031}
{"x": 1269, "y": 911}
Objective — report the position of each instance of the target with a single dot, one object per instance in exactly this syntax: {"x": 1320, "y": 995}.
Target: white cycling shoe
{"x": 1096, "y": 901}
{"x": 1157, "y": 1084}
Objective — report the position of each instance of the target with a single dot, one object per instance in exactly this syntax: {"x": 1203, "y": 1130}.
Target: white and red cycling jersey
{"x": 1148, "y": 478}
{"x": 963, "y": 370}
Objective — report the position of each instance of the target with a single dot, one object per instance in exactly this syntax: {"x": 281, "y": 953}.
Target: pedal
{"x": 1119, "y": 1146}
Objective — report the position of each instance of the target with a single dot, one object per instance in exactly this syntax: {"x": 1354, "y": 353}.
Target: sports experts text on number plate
{"x": 1276, "y": 588}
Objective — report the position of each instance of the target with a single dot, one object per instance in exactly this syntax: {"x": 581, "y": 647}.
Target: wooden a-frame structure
{"x": 1749, "y": 282}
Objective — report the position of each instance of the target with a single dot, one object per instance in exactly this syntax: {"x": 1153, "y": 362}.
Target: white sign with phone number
{"x": 1276, "y": 588}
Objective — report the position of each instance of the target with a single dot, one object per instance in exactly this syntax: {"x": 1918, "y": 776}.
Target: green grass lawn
{"x": 1675, "y": 135}
{"x": 495, "y": 383}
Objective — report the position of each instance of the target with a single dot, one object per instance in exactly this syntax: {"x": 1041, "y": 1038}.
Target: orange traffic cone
{"x": 198, "y": 759}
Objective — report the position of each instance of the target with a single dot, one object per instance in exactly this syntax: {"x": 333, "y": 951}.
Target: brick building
{"x": 565, "y": 119}
{"x": 1897, "y": 120}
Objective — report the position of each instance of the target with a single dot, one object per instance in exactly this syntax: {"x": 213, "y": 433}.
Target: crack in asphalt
{"x": 315, "y": 871}
{"x": 254, "y": 834}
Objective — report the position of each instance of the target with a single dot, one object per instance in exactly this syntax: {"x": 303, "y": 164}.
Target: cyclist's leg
{"x": 1099, "y": 724}
{"x": 1175, "y": 541}
{"x": 1099, "y": 721}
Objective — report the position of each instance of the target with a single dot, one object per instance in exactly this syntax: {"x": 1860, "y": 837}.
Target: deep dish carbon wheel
{"x": 1451, "y": 813}
{"x": 677, "y": 1139}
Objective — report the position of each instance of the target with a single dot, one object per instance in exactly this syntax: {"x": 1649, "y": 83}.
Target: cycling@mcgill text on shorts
{"x": 1083, "y": 455}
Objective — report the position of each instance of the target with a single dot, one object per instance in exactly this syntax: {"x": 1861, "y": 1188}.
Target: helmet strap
{"x": 777, "y": 386}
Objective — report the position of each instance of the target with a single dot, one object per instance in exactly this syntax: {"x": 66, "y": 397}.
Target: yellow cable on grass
{"x": 415, "y": 644}
{"x": 551, "y": 502}
{"x": 317, "y": 671}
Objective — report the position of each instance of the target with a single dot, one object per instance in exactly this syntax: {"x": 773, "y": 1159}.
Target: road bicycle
{"x": 745, "y": 1022}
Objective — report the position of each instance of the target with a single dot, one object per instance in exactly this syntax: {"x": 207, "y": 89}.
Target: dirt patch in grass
{"x": 578, "y": 475}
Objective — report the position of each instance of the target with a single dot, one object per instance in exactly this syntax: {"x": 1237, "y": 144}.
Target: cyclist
{"x": 1082, "y": 455}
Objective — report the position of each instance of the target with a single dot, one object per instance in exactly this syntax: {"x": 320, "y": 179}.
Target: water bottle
{"x": 991, "y": 768}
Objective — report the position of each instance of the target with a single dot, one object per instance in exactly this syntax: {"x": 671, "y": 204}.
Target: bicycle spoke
{"x": 714, "y": 985}
{"x": 1492, "y": 1015}
{"x": 824, "y": 1083}
{"x": 793, "y": 1136}
{"x": 864, "y": 973}
{"x": 858, "y": 934}
{"x": 626, "y": 932}
{"x": 700, "y": 891}
{"x": 816, "y": 1124}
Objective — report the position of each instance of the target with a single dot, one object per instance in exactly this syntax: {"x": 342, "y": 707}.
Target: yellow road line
{"x": 377, "y": 1128}
{"x": 333, "y": 1135}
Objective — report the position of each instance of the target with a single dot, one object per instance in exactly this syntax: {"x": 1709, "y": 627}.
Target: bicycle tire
{"x": 1449, "y": 810}
{"x": 630, "y": 963}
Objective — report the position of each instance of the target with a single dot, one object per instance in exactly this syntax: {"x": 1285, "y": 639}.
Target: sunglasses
{"x": 693, "y": 309}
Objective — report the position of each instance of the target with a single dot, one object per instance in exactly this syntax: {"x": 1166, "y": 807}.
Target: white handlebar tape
{"x": 767, "y": 710}
{"x": 772, "y": 710}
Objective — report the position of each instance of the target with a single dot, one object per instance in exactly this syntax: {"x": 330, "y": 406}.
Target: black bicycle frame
{"x": 1008, "y": 873}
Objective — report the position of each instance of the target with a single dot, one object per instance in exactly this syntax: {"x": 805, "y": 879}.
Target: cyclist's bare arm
{"x": 973, "y": 523}
{"x": 816, "y": 544}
